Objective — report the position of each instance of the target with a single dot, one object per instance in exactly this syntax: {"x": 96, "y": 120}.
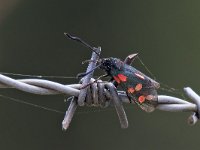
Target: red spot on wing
{"x": 131, "y": 90}
{"x": 122, "y": 77}
{"x": 116, "y": 79}
{"x": 138, "y": 87}
{"x": 139, "y": 76}
{"x": 141, "y": 99}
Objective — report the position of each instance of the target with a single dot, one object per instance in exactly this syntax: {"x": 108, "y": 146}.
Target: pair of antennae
{"x": 81, "y": 41}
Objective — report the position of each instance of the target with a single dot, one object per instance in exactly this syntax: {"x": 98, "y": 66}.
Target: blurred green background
{"x": 166, "y": 35}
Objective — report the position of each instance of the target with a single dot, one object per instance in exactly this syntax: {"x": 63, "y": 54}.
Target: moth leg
{"x": 128, "y": 97}
{"x": 102, "y": 76}
{"x": 95, "y": 81}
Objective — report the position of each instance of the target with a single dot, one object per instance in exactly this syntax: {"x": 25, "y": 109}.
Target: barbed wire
{"x": 100, "y": 93}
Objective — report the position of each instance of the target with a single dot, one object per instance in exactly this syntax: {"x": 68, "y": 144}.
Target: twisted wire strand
{"x": 99, "y": 96}
{"x": 100, "y": 93}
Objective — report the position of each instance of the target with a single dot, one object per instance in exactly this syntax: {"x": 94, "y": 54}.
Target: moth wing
{"x": 149, "y": 104}
{"x": 139, "y": 87}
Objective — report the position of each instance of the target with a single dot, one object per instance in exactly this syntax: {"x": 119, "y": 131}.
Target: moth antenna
{"x": 81, "y": 41}
{"x": 81, "y": 75}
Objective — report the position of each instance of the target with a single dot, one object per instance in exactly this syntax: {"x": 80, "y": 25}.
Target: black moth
{"x": 139, "y": 88}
